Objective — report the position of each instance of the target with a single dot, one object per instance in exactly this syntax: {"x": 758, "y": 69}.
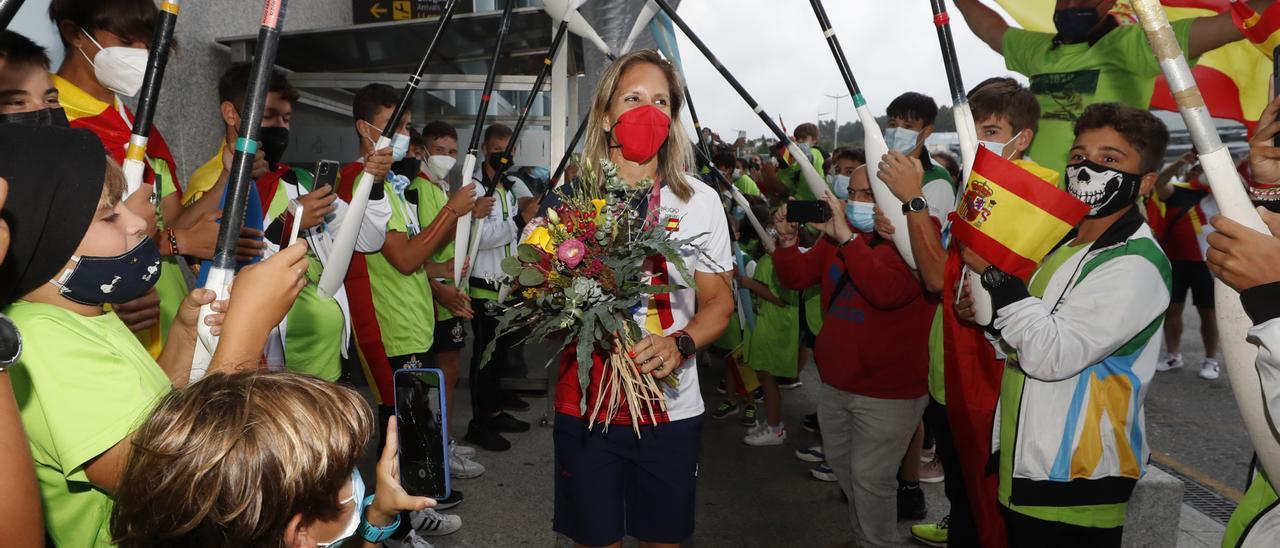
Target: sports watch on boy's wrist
{"x": 993, "y": 277}
{"x": 914, "y": 205}
{"x": 373, "y": 533}
{"x": 685, "y": 344}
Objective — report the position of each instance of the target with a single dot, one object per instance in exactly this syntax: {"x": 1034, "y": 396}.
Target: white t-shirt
{"x": 704, "y": 215}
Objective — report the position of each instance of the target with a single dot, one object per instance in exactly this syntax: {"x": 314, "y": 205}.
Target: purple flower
{"x": 571, "y": 252}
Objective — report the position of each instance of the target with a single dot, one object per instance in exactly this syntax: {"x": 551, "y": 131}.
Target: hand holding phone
{"x": 424, "y": 436}
{"x": 326, "y": 174}
{"x": 808, "y": 211}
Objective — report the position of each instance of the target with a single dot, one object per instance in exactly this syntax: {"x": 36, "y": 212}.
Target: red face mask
{"x": 641, "y": 131}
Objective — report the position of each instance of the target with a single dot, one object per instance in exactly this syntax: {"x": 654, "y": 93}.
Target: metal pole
{"x": 462, "y": 238}
{"x": 237, "y": 197}
{"x": 8, "y": 8}
{"x": 872, "y": 140}
{"x": 344, "y": 243}
{"x": 157, "y": 60}
{"x": 1238, "y": 354}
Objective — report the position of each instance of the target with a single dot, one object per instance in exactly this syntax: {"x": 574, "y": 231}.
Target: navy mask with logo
{"x": 111, "y": 280}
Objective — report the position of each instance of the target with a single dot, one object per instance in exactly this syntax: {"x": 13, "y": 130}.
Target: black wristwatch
{"x": 993, "y": 277}
{"x": 914, "y": 205}
{"x": 685, "y": 344}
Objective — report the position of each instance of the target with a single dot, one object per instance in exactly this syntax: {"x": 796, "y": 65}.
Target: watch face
{"x": 992, "y": 277}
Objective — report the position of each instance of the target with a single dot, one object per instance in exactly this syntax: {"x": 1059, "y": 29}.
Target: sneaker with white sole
{"x": 434, "y": 524}
{"x": 462, "y": 449}
{"x": 1169, "y": 362}
{"x": 412, "y": 540}
{"x": 766, "y": 435}
{"x": 822, "y": 472}
{"x": 462, "y": 467}
{"x": 931, "y": 472}
{"x": 1209, "y": 369}
{"x": 811, "y": 454}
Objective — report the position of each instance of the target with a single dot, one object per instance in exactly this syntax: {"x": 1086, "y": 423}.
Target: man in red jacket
{"x": 872, "y": 354}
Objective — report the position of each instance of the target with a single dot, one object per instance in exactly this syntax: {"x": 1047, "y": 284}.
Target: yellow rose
{"x": 541, "y": 238}
{"x": 599, "y": 205}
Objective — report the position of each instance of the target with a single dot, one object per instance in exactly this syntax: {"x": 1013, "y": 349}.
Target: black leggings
{"x": 962, "y": 531}
{"x": 486, "y": 400}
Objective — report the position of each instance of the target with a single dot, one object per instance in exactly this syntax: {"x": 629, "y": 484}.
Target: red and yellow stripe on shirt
{"x": 1232, "y": 78}
{"x": 1010, "y": 217}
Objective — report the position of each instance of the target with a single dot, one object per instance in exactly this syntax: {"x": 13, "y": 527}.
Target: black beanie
{"x": 55, "y": 178}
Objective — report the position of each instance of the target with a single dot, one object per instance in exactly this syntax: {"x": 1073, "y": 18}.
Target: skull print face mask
{"x": 1106, "y": 190}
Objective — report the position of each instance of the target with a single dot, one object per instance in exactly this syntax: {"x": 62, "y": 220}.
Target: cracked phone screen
{"x": 422, "y": 447}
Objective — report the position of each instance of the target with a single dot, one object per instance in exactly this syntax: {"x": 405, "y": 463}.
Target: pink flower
{"x": 571, "y": 252}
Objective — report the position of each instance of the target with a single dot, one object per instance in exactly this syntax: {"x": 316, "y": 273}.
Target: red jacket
{"x": 875, "y": 335}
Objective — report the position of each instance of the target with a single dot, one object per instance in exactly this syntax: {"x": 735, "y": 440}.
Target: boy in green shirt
{"x": 84, "y": 382}
{"x": 1091, "y": 59}
{"x": 806, "y": 137}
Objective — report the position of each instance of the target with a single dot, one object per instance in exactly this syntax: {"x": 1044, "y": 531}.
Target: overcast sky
{"x": 781, "y": 58}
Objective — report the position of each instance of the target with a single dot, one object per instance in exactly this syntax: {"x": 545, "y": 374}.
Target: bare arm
{"x": 987, "y": 24}
{"x": 926, "y": 247}
{"x": 1213, "y": 32}
{"x": 760, "y": 289}
{"x": 21, "y": 503}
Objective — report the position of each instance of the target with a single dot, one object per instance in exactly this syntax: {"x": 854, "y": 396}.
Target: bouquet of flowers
{"x": 581, "y": 270}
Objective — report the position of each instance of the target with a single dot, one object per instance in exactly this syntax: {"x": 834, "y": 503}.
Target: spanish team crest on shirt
{"x": 673, "y": 224}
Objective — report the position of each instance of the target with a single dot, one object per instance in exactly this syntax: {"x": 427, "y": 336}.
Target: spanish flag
{"x": 1010, "y": 216}
{"x": 1233, "y": 78}
{"x": 1263, "y": 30}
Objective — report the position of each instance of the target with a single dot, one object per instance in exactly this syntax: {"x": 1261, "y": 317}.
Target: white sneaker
{"x": 1209, "y": 369}
{"x": 462, "y": 467}
{"x": 462, "y": 449}
{"x": 412, "y": 540}
{"x": 434, "y": 524}
{"x": 811, "y": 454}
{"x": 1169, "y": 362}
{"x": 766, "y": 435}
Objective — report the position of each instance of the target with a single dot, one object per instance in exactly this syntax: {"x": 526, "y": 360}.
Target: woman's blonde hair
{"x": 675, "y": 156}
{"x": 229, "y": 460}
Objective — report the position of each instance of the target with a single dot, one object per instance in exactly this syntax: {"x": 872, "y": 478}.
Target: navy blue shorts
{"x": 611, "y": 485}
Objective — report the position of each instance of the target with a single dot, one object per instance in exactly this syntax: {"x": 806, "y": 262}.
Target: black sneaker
{"x": 455, "y": 498}
{"x": 481, "y": 435}
{"x": 758, "y": 394}
{"x": 512, "y": 402}
{"x": 506, "y": 423}
{"x": 810, "y": 423}
{"x": 911, "y": 505}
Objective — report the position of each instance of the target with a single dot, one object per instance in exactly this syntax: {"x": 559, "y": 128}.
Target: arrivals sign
{"x": 382, "y": 11}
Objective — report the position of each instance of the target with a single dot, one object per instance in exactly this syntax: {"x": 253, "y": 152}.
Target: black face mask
{"x": 1075, "y": 24}
{"x": 408, "y": 167}
{"x": 1106, "y": 190}
{"x": 43, "y": 117}
{"x": 274, "y": 142}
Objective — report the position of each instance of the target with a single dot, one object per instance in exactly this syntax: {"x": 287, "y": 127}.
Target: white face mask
{"x": 737, "y": 174}
{"x": 119, "y": 69}
{"x": 353, "y": 523}
{"x": 901, "y": 139}
{"x": 998, "y": 147}
{"x": 438, "y": 166}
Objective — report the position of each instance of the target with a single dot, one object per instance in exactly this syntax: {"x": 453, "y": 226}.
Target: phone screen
{"x": 420, "y": 417}
{"x": 808, "y": 211}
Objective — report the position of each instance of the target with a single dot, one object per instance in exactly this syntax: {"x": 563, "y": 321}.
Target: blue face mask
{"x": 95, "y": 281}
{"x": 840, "y": 186}
{"x": 861, "y": 215}
{"x": 399, "y": 147}
{"x": 901, "y": 139}
{"x": 739, "y": 213}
